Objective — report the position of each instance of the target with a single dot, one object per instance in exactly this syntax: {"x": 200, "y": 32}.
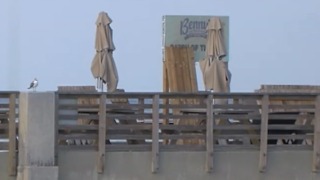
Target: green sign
{"x": 190, "y": 31}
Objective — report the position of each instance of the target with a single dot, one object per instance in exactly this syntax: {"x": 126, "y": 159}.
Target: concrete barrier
{"x": 4, "y": 175}
{"x": 243, "y": 165}
{"x": 37, "y": 137}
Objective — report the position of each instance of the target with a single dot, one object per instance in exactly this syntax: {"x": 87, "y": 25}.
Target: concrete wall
{"x": 282, "y": 165}
{"x": 81, "y": 165}
{"x": 4, "y": 167}
{"x": 37, "y": 137}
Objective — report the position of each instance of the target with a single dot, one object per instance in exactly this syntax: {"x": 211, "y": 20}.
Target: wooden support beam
{"x": 56, "y": 146}
{"x": 155, "y": 134}
{"x": 192, "y": 70}
{"x": 165, "y": 100}
{"x": 316, "y": 140}
{"x": 264, "y": 133}
{"x": 209, "y": 135}
{"x": 102, "y": 134}
{"x": 12, "y": 136}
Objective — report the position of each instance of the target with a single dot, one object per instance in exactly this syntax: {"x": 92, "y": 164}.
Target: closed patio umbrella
{"x": 216, "y": 75}
{"x": 103, "y": 67}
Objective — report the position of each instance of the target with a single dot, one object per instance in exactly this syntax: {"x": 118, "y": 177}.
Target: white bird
{"x": 34, "y": 84}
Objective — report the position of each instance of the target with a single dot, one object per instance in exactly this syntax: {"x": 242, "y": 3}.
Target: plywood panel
{"x": 180, "y": 76}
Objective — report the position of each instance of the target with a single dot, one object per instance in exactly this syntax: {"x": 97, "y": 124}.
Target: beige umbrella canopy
{"x": 216, "y": 75}
{"x": 103, "y": 67}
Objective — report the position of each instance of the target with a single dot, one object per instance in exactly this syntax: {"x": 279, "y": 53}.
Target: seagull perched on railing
{"x": 34, "y": 84}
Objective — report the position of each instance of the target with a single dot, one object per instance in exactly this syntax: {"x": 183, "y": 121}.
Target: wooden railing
{"x": 8, "y": 128}
{"x": 159, "y": 122}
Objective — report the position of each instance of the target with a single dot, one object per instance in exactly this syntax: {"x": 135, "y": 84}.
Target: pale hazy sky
{"x": 271, "y": 41}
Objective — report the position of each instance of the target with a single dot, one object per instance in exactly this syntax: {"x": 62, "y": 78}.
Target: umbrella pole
{"x": 101, "y": 86}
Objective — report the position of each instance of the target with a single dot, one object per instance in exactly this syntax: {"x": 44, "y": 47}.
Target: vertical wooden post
{"x": 264, "y": 133}
{"x": 56, "y": 146}
{"x": 102, "y": 134}
{"x": 155, "y": 134}
{"x": 12, "y": 136}
{"x": 165, "y": 101}
{"x": 141, "y": 103}
{"x": 316, "y": 140}
{"x": 209, "y": 135}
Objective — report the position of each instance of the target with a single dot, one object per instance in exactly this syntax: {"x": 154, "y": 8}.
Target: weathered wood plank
{"x": 148, "y": 136}
{"x": 4, "y": 106}
{"x": 293, "y": 106}
{"x": 12, "y": 136}
{"x": 77, "y": 116}
{"x": 129, "y": 106}
{"x": 171, "y": 148}
{"x": 183, "y": 136}
{"x": 182, "y": 116}
{"x": 316, "y": 140}
{"x": 128, "y": 147}
{"x": 290, "y": 136}
{"x": 144, "y": 126}
{"x": 4, "y": 146}
{"x": 264, "y": 133}
{"x": 179, "y": 106}
{"x": 237, "y": 116}
{"x": 237, "y": 136}
{"x": 155, "y": 135}
{"x": 185, "y": 147}
{"x": 4, "y": 126}
{"x": 69, "y": 106}
{"x": 141, "y": 126}
{"x": 77, "y": 136}
{"x": 77, "y": 147}
{"x": 4, "y": 136}
{"x": 192, "y": 70}
{"x": 239, "y": 95}
{"x": 102, "y": 135}
{"x": 6, "y": 94}
{"x": 56, "y": 126}
{"x": 289, "y": 147}
{"x": 232, "y": 107}
{"x": 289, "y": 116}
{"x": 209, "y": 135}
{"x": 236, "y": 147}
{"x": 4, "y": 116}
{"x": 77, "y": 127}
{"x": 290, "y": 127}
{"x": 165, "y": 104}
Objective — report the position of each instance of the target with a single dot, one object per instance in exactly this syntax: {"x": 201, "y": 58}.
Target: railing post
{"x": 264, "y": 133}
{"x": 12, "y": 136}
{"x": 316, "y": 140}
{"x": 209, "y": 135}
{"x": 102, "y": 134}
{"x": 56, "y": 126}
{"x": 165, "y": 112}
{"x": 155, "y": 134}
